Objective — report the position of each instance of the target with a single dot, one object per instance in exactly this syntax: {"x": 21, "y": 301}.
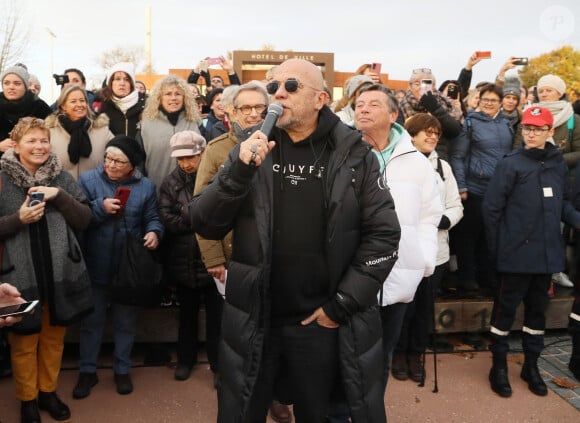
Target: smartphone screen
{"x": 453, "y": 91}
{"x": 426, "y": 85}
{"x": 18, "y": 309}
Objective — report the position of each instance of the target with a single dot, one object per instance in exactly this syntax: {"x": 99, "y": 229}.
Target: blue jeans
{"x": 392, "y": 318}
{"x": 93, "y": 326}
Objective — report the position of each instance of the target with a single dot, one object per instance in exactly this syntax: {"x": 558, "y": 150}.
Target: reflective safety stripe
{"x": 532, "y": 331}
{"x": 575, "y": 316}
{"x": 498, "y": 332}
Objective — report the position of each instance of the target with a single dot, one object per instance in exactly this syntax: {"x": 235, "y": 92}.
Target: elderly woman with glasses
{"x": 43, "y": 260}
{"x": 486, "y": 137}
{"x": 103, "y": 243}
{"x": 423, "y": 97}
{"x": 425, "y": 131}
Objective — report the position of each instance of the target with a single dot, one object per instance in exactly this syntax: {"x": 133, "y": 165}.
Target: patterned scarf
{"x": 410, "y": 105}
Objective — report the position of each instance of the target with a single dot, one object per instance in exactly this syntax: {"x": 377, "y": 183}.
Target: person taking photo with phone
{"x": 423, "y": 97}
{"x": 43, "y": 260}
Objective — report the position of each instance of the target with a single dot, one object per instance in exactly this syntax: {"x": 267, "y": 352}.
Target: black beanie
{"x": 212, "y": 95}
{"x": 130, "y": 147}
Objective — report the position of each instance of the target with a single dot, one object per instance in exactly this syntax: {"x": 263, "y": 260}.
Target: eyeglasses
{"x": 290, "y": 85}
{"x": 247, "y": 109}
{"x": 115, "y": 162}
{"x": 422, "y": 70}
{"x": 489, "y": 100}
{"x": 432, "y": 133}
{"x": 537, "y": 131}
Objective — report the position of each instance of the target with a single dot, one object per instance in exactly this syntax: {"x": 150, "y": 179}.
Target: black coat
{"x": 11, "y": 112}
{"x": 181, "y": 256}
{"x": 124, "y": 123}
{"x": 361, "y": 248}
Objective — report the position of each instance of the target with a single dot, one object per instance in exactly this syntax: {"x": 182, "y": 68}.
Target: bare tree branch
{"x": 14, "y": 34}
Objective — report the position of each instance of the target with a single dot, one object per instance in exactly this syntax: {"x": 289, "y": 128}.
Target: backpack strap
{"x": 570, "y": 125}
{"x": 440, "y": 169}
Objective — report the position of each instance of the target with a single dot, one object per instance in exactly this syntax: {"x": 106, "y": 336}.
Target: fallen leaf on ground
{"x": 564, "y": 382}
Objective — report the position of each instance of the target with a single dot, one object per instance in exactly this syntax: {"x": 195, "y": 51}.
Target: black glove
{"x": 444, "y": 223}
{"x": 429, "y": 102}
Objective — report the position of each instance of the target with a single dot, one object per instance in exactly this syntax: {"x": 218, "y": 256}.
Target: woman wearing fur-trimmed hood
{"x": 78, "y": 138}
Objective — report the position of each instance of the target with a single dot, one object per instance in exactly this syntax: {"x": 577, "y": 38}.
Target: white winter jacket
{"x": 413, "y": 185}
{"x": 451, "y": 201}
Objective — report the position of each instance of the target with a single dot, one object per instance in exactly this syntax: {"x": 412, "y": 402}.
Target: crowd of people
{"x": 317, "y": 247}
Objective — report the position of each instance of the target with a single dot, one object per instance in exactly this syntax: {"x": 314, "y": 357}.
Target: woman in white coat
{"x": 425, "y": 130}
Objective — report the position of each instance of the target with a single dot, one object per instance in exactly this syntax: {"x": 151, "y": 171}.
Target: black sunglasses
{"x": 290, "y": 85}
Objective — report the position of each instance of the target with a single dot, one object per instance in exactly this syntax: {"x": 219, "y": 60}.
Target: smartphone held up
{"x": 426, "y": 86}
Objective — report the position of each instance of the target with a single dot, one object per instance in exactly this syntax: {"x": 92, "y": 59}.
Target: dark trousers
{"x": 190, "y": 300}
{"x": 418, "y": 321}
{"x": 392, "y": 320}
{"x": 470, "y": 244}
{"x": 512, "y": 289}
{"x": 307, "y": 356}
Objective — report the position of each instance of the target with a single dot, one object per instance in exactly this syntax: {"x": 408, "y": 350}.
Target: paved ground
{"x": 464, "y": 394}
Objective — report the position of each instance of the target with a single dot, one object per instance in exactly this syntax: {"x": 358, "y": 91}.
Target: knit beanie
{"x": 126, "y": 67}
{"x": 130, "y": 148}
{"x": 512, "y": 86}
{"x": 19, "y": 71}
{"x": 554, "y": 82}
{"x": 355, "y": 82}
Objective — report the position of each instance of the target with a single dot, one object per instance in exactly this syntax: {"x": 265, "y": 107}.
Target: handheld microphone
{"x": 275, "y": 110}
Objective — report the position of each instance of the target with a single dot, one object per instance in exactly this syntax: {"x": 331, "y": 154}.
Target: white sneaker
{"x": 562, "y": 280}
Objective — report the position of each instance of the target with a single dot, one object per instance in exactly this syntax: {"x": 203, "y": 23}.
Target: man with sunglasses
{"x": 315, "y": 236}
{"x": 522, "y": 209}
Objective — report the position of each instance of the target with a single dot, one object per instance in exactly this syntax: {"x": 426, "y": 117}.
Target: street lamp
{"x": 52, "y": 37}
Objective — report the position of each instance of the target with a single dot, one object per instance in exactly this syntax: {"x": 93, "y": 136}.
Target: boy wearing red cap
{"x": 522, "y": 210}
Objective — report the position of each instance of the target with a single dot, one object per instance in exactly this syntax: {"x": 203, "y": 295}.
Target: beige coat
{"x": 99, "y": 134}
{"x": 214, "y": 252}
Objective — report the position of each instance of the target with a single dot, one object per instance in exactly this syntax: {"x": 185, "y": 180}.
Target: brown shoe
{"x": 416, "y": 369}
{"x": 280, "y": 412}
{"x": 399, "y": 366}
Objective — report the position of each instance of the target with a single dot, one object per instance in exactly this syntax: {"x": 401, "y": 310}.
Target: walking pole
{"x": 434, "y": 340}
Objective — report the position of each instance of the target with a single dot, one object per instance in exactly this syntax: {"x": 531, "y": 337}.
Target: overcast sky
{"x": 402, "y": 35}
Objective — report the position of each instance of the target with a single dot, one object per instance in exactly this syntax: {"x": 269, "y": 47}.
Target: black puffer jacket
{"x": 124, "y": 123}
{"x": 181, "y": 256}
{"x": 361, "y": 247}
